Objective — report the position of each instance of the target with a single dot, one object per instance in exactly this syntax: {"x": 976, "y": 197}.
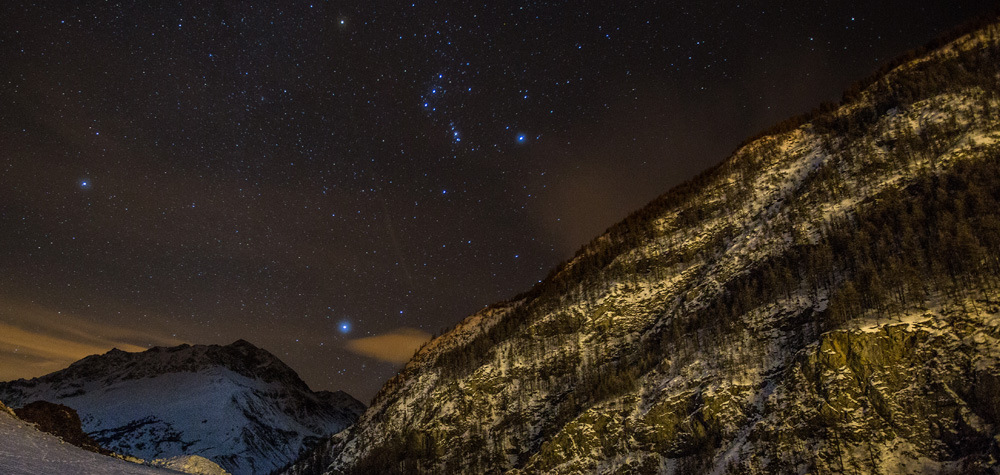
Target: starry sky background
{"x": 336, "y": 181}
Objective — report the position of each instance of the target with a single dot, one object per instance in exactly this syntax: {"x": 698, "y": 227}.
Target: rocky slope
{"x": 60, "y": 421}
{"x": 236, "y": 405}
{"x": 823, "y": 301}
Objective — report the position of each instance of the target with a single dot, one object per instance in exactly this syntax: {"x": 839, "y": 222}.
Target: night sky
{"x": 336, "y": 181}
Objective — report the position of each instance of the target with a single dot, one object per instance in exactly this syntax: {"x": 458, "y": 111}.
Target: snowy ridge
{"x": 236, "y": 405}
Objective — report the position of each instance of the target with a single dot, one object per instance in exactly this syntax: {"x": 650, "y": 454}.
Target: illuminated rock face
{"x": 237, "y": 405}
{"x": 825, "y": 300}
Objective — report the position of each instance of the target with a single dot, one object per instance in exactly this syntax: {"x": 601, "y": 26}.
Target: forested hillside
{"x": 824, "y": 300}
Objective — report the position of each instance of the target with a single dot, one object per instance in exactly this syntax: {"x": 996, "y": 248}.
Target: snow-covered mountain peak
{"x": 238, "y": 405}
{"x": 241, "y": 357}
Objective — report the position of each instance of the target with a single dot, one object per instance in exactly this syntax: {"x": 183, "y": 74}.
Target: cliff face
{"x": 825, "y": 300}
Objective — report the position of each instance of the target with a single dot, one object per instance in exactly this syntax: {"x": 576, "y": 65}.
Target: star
{"x": 421, "y": 121}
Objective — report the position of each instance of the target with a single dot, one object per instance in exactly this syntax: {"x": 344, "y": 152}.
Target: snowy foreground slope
{"x": 824, "y": 301}
{"x": 24, "y": 450}
{"x": 236, "y": 405}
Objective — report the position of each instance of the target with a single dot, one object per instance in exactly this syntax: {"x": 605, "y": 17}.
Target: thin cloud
{"x": 35, "y": 340}
{"x": 397, "y": 346}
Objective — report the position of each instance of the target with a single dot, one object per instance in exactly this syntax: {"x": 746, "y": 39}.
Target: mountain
{"x": 823, "y": 301}
{"x": 25, "y": 450}
{"x": 237, "y": 405}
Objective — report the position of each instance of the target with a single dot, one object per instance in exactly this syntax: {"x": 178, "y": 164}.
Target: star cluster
{"x": 301, "y": 174}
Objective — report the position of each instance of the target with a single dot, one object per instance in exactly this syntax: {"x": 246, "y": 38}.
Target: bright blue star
{"x": 84, "y": 184}
{"x": 521, "y": 138}
{"x": 344, "y": 327}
